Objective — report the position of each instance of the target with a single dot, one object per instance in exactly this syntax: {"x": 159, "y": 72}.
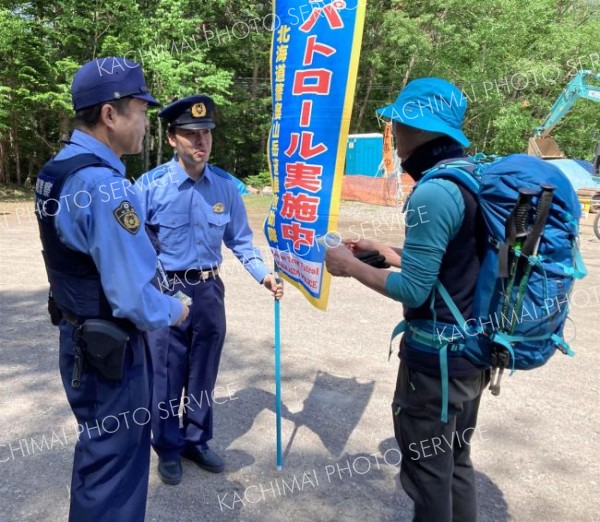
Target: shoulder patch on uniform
{"x": 127, "y": 217}
{"x": 220, "y": 172}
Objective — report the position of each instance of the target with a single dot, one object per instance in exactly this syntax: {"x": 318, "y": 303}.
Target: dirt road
{"x": 536, "y": 450}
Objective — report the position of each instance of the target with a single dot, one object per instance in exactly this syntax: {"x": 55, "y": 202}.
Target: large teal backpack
{"x": 531, "y": 259}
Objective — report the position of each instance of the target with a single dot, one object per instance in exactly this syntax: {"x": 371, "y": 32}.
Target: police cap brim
{"x": 194, "y": 126}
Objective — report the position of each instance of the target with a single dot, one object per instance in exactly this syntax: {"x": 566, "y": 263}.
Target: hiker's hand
{"x": 339, "y": 260}
{"x": 362, "y": 246}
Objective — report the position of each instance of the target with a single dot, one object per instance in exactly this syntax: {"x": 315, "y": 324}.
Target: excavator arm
{"x": 575, "y": 89}
{"x": 542, "y": 144}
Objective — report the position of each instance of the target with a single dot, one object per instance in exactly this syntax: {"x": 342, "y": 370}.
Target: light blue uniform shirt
{"x": 126, "y": 261}
{"x": 435, "y": 213}
{"x": 191, "y": 219}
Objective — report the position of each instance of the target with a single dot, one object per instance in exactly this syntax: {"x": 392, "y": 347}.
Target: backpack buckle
{"x": 500, "y": 358}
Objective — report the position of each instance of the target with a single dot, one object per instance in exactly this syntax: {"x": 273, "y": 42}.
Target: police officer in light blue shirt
{"x": 192, "y": 208}
{"x": 100, "y": 264}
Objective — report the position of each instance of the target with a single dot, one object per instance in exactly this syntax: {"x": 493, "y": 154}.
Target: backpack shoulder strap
{"x": 461, "y": 171}
{"x": 466, "y": 171}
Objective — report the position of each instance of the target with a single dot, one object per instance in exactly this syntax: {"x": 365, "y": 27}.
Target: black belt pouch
{"x": 103, "y": 345}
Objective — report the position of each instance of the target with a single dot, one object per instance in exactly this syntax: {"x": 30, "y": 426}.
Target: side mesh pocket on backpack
{"x": 542, "y": 314}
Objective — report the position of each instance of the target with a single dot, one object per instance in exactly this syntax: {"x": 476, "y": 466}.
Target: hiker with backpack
{"x": 473, "y": 261}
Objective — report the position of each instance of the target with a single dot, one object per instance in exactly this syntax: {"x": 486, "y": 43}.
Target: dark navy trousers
{"x": 187, "y": 357}
{"x": 112, "y": 454}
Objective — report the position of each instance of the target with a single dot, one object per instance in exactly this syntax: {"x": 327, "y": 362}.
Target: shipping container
{"x": 364, "y": 155}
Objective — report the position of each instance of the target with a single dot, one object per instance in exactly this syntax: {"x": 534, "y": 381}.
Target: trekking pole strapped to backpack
{"x": 531, "y": 245}
{"x": 527, "y": 257}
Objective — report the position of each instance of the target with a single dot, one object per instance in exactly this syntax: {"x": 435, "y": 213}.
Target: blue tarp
{"x": 578, "y": 172}
{"x": 240, "y": 185}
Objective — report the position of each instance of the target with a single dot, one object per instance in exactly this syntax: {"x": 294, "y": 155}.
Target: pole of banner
{"x": 278, "y": 378}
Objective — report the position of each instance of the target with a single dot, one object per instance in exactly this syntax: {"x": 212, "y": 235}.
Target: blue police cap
{"x": 105, "y": 79}
{"x": 192, "y": 112}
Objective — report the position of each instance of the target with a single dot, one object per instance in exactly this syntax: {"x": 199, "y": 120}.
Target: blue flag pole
{"x": 278, "y": 381}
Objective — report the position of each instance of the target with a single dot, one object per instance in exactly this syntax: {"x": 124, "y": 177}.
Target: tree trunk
{"x": 30, "y": 163}
{"x": 17, "y": 158}
{"x": 254, "y": 95}
{"x": 147, "y": 140}
{"x": 263, "y": 147}
{"x": 363, "y": 107}
{"x": 413, "y": 59}
{"x": 487, "y": 133}
{"x": 254, "y": 89}
{"x": 14, "y": 143}
{"x": 3, "y": 167}
{"x": 159, "y": 134}
{"x": 63, "y": 122}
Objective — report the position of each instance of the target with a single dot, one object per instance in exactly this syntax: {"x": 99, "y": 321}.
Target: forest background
{"x": 512, "y": 58}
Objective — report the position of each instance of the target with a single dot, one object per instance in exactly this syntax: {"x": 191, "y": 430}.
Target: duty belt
{"x": 76, "y": 320}
{"x": 194, "y": 274}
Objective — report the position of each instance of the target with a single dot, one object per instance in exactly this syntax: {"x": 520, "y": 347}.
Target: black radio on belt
{"x": 55, "y": 313}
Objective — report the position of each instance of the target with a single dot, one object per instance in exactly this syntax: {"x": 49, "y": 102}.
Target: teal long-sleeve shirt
{"x": 434, "y": 216}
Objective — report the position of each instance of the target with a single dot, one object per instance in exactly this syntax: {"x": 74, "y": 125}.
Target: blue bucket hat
{"x": 106, "y": 79}
{"x": 430, "y": 104}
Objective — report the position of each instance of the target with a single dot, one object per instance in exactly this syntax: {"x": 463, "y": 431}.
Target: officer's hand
{"x": 183, "y": 315}
{"x": 270, "y": 283}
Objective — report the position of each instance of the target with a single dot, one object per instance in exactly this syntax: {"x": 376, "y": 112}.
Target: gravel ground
{"x": 536, "y": 451}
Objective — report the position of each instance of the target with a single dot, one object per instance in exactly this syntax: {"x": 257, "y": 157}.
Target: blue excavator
{"x": 542, "y": 144}
{"x": 584, "y": 176}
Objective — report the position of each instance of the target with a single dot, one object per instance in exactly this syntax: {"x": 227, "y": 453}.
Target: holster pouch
{"x": 103, "y": 345}
{"x": 55, "y": 314}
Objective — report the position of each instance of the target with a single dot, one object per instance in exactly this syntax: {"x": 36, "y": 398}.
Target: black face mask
{"x": 430, "y": 153}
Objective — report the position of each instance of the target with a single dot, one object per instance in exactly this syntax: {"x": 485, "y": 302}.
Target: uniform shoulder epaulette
{"x": 221, "y": 173}
{"x": 158, "y": 171}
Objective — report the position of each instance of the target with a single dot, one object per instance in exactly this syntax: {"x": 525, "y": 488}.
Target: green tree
{"x": 511, "y": 58}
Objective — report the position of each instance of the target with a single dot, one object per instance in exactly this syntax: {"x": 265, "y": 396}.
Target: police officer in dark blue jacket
{"x": 100, "y": 264}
